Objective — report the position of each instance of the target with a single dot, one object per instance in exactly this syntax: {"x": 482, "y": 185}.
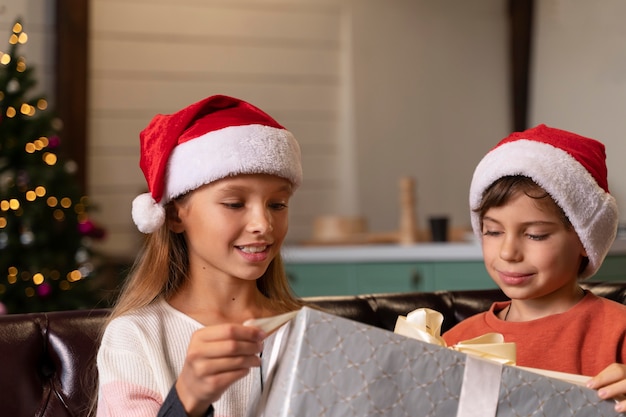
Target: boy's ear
{"x": 174, "y": 223}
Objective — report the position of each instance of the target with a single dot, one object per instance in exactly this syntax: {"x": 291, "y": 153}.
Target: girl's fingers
{"x": 230, "y": 332}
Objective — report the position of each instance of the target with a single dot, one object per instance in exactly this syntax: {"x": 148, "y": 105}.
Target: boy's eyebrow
{"x": 529, "y": 223}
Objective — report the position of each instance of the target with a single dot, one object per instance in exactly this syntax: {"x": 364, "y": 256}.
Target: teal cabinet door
{"x": 470, "y": 275}
{"x": 308, "y": 280}
{"x": 613, "y": 269}
{"x": 393, "y": 277}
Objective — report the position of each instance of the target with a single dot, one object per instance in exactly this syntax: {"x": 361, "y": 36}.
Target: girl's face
{"x": 235, "y": 226}
{"x": 528, "y": 250}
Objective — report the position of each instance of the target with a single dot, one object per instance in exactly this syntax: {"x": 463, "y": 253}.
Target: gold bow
{"x": 425, "y": 324}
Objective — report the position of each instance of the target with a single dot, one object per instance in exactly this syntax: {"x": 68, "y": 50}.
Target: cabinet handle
{"x": 416, "y": 278}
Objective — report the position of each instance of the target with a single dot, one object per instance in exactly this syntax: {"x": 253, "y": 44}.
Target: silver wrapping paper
{"x": 324, "y": 365}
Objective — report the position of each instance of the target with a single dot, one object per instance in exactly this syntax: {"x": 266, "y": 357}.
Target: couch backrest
{"x": 46, "y": 357}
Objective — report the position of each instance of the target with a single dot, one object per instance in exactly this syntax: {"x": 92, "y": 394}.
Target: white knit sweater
{"x": 140, "y": 357}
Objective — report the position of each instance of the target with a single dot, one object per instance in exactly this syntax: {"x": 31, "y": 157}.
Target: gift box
{"x": 324, "y": 365}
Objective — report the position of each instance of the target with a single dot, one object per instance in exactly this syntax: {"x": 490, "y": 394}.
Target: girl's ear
{"x": 174, "y": 223}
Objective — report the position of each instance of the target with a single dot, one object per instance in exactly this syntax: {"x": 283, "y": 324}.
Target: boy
{"x": 541, "y": 208}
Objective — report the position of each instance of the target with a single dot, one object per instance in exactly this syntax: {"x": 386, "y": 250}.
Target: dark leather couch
{"x": 45, "y": 356}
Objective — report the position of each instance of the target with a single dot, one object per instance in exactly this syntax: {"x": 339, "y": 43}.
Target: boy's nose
{"x": 510, "y": 249}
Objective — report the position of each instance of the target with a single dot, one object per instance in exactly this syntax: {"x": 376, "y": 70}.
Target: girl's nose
{"x": 260, "y": 221}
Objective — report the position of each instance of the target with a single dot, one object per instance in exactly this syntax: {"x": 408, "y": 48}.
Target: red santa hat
{"x": 569, "y": 167}
{"x": 214, "y": 138}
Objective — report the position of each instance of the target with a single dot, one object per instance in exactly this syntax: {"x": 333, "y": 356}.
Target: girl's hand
{"x": 217, "y": 356}
{"x": 611, "y": 383}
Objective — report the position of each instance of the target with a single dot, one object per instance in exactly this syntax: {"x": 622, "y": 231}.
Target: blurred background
{"x": 374, "y": 90}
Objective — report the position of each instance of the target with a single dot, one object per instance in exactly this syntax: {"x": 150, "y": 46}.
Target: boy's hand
{"x": 611, "y": 383}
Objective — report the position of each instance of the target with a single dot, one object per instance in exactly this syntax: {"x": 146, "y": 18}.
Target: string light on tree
{"x": 46, "y": 258}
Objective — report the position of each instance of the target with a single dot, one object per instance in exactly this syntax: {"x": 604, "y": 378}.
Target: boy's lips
{"x": 513, "y": 278}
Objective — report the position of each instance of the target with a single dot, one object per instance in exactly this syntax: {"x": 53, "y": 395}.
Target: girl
{"x": 220, "y": 174}
{"x": 541, "y": 208}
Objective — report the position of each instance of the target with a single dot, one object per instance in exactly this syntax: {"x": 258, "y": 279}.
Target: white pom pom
{"x": 147, "y": 214}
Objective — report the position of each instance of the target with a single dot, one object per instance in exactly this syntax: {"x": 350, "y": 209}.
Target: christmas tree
{"x": 46, "y": 262}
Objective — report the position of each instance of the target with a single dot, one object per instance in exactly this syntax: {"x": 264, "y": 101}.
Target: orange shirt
{"x": 583, "y": 340}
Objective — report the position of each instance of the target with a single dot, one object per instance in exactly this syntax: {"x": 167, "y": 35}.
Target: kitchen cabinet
{"x": 365, "y": 270}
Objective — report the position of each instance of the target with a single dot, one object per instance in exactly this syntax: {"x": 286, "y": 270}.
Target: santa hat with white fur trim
{"x": 569, "y": 167}
{"x": 214, "y": 138}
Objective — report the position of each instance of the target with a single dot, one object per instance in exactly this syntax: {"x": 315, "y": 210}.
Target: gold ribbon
{"x": 425, "y": 324}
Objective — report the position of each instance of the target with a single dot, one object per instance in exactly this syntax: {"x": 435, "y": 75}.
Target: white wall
{"x": 579, "y": 76}
{"x": 431, "y": 97}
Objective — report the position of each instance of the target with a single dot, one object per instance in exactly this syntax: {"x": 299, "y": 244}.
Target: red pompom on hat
{"x": 214, "y": 138}
{"x": 569, "y": 167}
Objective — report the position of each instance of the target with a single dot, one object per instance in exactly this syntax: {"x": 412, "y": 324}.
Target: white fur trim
{"x": 591, "y": 210}
{"x": 147, "y": 214}
{"x": 250, "y": 149}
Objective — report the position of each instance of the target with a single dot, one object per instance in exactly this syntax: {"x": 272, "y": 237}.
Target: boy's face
{"x": 528, "y": 250}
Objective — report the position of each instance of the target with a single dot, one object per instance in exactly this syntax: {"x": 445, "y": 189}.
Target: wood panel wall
{"x": 149, "y": 57}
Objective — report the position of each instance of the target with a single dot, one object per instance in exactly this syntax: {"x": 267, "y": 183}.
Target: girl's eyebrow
{"x": 230, "y": 188}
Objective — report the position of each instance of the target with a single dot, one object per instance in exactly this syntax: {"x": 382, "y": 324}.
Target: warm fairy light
{"x": 44, "y": 141}
{"x": 1, "y": 94}
{"x": 64, "y": 285}
{"x": 55, "y": 275}
{"x": 66, "y": 202}
{"x": 38, "y": 145}
{"x": 17, "y": 27}
{"x": 40, "y": 191}
{"x": 82, "y": 217}
{"x": 25, "y": 108}
{"x": 21, "y": 65}
{"x": 79, "y": 208}
{"x": 12, "y": 277}
{"x": 50, "y": 158}
{"x": 30, "y": 292}
{"x": 74, "y": 276}
{"x": 13, "y": 39}
{"x": 38, "y": 278}
{"x": 30, "y": 147}
{"x": 23, "y": 38}
{"x": 4, "y": 205}
{"x": 3, "y": 222}
{"x": 58, "y": 214}
{"x": 30, "y": 195}
{"x": 42, "y": 104}
{"x": 11, "y": 112}
{"x": 52, "y": 201}
{"x": 5, "y": 59}
{"x": 14, "y": 204}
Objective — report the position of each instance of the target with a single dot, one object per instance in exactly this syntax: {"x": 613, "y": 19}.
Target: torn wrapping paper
{"x": 323, "y": 365}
